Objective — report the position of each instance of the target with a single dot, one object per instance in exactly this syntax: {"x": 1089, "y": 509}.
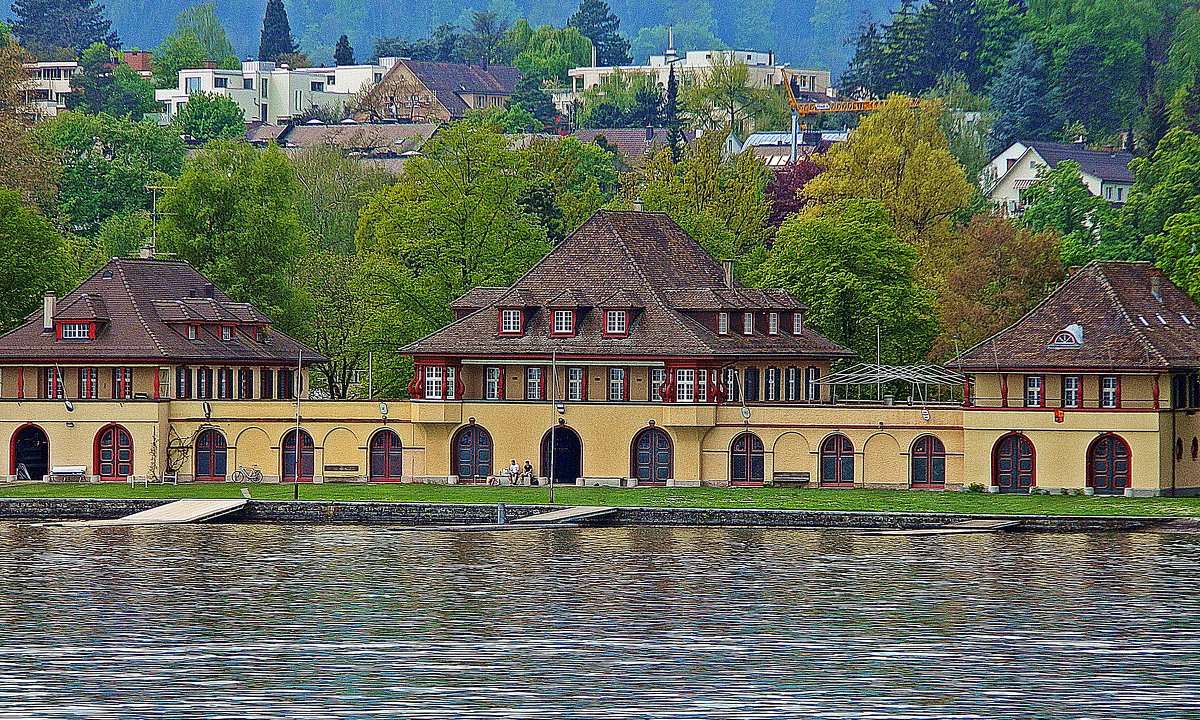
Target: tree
{"x": 333, "y": 188}
{"x": 1022, "y": 100}
{"x": 198, "y": 38}
{"x": 724, "y": 99}
{"x": 967, "y": 123}
{"x": 234, "y": 214}
{"x": 595, "y": 20}
{"x": 276, "y": 38}
{"x": 207, "y": 116}
{"x": 343, "y": 54}
{"x": 338, "y": 313}
{"x": 548, "y": 53}
{"x": 671, "y": 118}
{"x": 953, "y": 40}
{"x": 581, "y": 177}
{"x": 864, "y": 75}
{"x": 32, "y": 260}
{"x": 105, "y": 84}
{"x": 647, "y": 107}
{"x": 533, "y": 98}
{"x": 485, "y": 40}
{"x": 902, "y": 64}
{"x": 786, "y": 188}
{"x": 1175, "y": 248}
{"x": 845, "y": 262}
{"x": 1080, "y": 72}
{"x": 1060, "y": 202}
{"x": 107, "y": 163}
{"x": 899, "y": 157}
{"x": 1165, "y": 183}
{"x": 999, "y": 272}
{"x": 23, "y": 165}
{"x": 47, "y": 28}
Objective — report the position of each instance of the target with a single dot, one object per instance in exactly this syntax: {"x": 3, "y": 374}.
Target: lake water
{"x": 274, "y": 621}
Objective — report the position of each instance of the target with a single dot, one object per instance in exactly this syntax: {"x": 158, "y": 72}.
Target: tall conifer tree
{"x": 343, "y": 54}
{"x": 595, "y": 20}
{"x": 276, "y": 36}
{"x": 61, "y": 28}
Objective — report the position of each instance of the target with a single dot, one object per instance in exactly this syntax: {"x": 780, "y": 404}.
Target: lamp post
{"x": 299, "y": 387}
{"x": 553, "y": 419}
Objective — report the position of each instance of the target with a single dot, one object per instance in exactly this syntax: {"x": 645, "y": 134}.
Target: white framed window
{"x": 510, "y": 322}
{"x": 773, "y": 323}
{"x": 564, "y": 322}
{"x": 658, "y": 378}
{"x": 491, "y": 383}
{"x": 701, "y": 386}
{"x": 123, "y": 383}
{"x": 76, "y": 331}
{"x": 732, "y": 386}
{"x": 434, "y": 383}
{"x": 1071, "y": 391}
{"x": 812, "y": 390}
{"x": 575, "y": 384}
{"x": 226, "y": 332}
{"x": 685, "y": 385}
{"x": 450, "y": 389}
{"x": 88, "y": 388}
{"x": 616, "y": 322}
{"x": 791, "y": 384}
{"x": 192, "y": 332}
{"x": 723, "y": 323}
{"x": 54, "y": 383}
{"x": 797, "y": 323}
{"x": 771, "y": 386}
{"x": 1033, "y": 391}
{"x": 747, "y": 323}
{"x": 1110, "y": 392}
{"x": 533, "y": 383}
{"x": 616, "y": 384}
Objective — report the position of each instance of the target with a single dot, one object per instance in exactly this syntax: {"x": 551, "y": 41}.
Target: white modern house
{"x": 273, "y": 94}
{"x": 48, "y": 86}
{"x": 1105, "y": 172}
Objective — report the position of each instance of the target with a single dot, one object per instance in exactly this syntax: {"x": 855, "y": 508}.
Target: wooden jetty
{"x": 958, "y": 528}
{"x": 176, "y": 513}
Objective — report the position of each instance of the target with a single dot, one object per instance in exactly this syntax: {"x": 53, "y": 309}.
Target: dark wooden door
{"x": 1013, "y": 465}
{"x": 387, "y": 457}
{"x": 114, "y": 453}
{"x": 746, "y": 460}
{"x": 307, "y": 466}
{"x": 473, "y": 454}
{"x": 652, "y": 457}
{"x": 837, "y": 462}
{"x": 211, "y": 456}
{"x": 1108, "y": 465}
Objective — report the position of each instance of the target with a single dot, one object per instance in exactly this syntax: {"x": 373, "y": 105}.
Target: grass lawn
{"x": 792, "y": 499}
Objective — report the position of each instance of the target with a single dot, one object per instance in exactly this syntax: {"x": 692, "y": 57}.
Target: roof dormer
{"x": 1069, "y": 338}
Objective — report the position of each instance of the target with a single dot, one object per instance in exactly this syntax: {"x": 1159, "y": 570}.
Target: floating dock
{"x": 958, "y": 528}
{"x": 176, "y": 513}
{"x": 566, "y": 515}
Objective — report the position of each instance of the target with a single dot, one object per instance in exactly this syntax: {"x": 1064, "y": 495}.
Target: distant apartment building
{"x": 1009, "y": 174}
{"x": 48, "y": 87}
{"x": 422, "y": 92}
{"x": 274, "y": 94}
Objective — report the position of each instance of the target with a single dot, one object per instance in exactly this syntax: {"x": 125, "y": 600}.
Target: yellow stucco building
{"x": 627, "y": 356}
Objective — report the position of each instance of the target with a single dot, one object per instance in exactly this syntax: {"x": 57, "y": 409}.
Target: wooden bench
{"x": 791, "y": 479}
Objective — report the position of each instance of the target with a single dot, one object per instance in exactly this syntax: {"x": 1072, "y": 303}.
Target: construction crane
{"x": 804, "y": 109}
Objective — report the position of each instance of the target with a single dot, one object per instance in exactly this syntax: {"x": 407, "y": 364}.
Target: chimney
{"x": 1072, "y": 270}
{"x": 1156, "y": 283}
{"x": 637, "y": 203}
{"x": 209, "y": 290}
{"x": 48, "y": 303}
{"x": 728, "y": 266}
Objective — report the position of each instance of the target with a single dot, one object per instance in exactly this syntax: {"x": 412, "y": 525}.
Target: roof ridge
{"x": 1112, "y": 294}
{"x": 137, "y": 310}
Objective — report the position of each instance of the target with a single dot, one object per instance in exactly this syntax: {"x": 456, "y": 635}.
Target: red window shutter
{"x": 1118, "y": 379}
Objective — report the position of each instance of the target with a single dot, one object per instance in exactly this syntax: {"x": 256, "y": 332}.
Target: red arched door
{"x": 387, "y": 457}
{"x": 1108, "y": 465}
{"x": 211, "y": 456}
{"x": 1014, "y": 464}
{"x": 306, "y": 464}
{"x": 928, "y": 463}
{"x": 746, "y": 460}
{"x": 652, "y": 457}
{"x": 114, "y": 453}
{"x": 837, "y": 462}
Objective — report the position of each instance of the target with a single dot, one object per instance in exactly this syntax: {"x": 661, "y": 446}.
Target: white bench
{"x": 67, "y": 473}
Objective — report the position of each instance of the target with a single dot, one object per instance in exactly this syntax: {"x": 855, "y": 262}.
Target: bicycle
{"x": 247, "y": 474}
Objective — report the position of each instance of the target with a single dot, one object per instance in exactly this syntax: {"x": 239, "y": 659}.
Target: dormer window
{"x": 512, "y": 322}
{"x": 616, "y": 323}
{"x": 564, "y": 322}
{"x": 747, "y": 323}
{"x": 797, "y": 324}
{"x": 1070, "y": 337}
{"x": 773, "y": 323}
{"x": 723, "y": 323}
{"x": 193, "y": 331}
{"x": 226, "y": 332}
{"x": 75, "y": 331}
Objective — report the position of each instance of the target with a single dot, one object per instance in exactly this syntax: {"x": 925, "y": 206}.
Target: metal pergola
{"x": 918, "y": 378}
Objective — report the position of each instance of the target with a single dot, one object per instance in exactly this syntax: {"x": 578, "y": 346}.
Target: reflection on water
{"x": 269, "y": 621}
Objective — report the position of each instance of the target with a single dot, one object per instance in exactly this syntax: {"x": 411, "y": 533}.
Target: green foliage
{"x": 721, "y": 203}
{"x": 967, "y": 123}
{"x": 208, "y": 116}
{"x": 1175, "y": 248}
{"x": 531, "y": 97}
{"x": 1060, "y": 202}
{"x": 338, "y": 308}
{"x": 847, "y": 264}
{"x": 276, "y": 37}
{"x": 580, "y": 176}
{"x": 234, "y": 215}
{"x": 333, "y": 188}
{"x": 1022, "y": 100}
{"x": 547, "y": 53}
{"x": 23, "y": 165}
{"x": 199, "y": 37}
{"x": 104, "y": 84}
{"x": 106, "y": 165}
{"x": 32, "y": 260}
{"x": 614, "y": 103}
{"x": 123, "y": 235}
{"x": 343, "y": 54}
{"x": 1164, "y": 184}
{"x": 61, "y": 29}
{"x": 723, "y": 99}
{"x": 652, "y": 40}
{"x": 595, "y": 20}
{"x": 486, "y": 40}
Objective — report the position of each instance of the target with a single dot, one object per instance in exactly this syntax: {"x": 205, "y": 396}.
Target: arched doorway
{"x": 386, "y": 463}
{"x": 211, "y": 456}
{"x": 568, "y": 455}
{"x": 471, "y": 454}
{"x": 653, "y": 457}
{"x": 114, "y": 453}
{"x": 1014, "y": 464}
{"x": 306, "y": 464}
{"x": 1108, "y": 465}
{"x": 29, "y": 453}
{"x": 928, "y": 463}
{"x": 837, "y": 462}
{"x": 746, "y": 460}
